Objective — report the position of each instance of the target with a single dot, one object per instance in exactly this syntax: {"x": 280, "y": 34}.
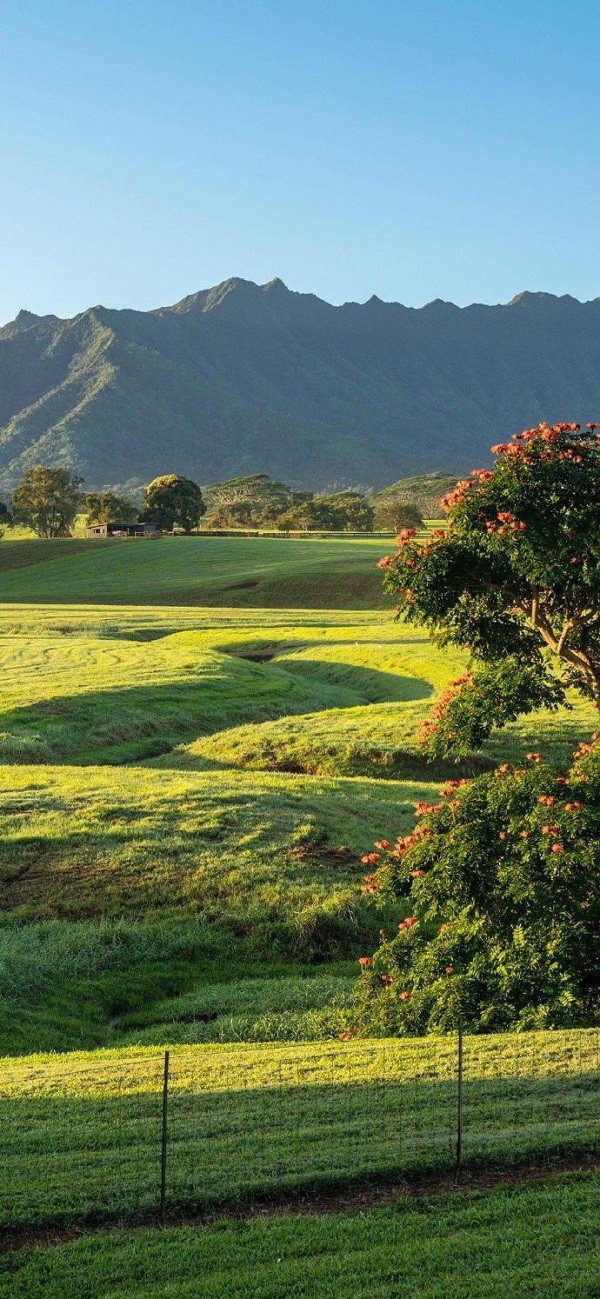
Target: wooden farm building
{"x": 122, "y": 530}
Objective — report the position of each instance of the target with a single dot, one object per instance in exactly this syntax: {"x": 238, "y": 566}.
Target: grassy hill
{"x": 257, "y": 572}
{"x": 242, "y": 378}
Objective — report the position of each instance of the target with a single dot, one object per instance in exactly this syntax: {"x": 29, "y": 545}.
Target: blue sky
{"x": 149, "y": 148}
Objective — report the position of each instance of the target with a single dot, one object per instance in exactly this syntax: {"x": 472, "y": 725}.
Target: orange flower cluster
{"x": 429, "y": 727}
{"x": 365, "y": 962}
{"x": 370, "y": 885}
{"x": 423, "y": 809}
{"x": 408, "y": 923}
{"x": 503, "y": 523}
{"x": 546, "y": 800}
{"x": 547, "y": 435}
{"x": 533, "y": 757}
{"x": 386, "y": 562}
{"x": 406, "y": 841}
{"x": 370, "y": 858}
{"x": 405, "y": 535}
{"x": 455, "y": 496}
{"x": 573, "y": 807}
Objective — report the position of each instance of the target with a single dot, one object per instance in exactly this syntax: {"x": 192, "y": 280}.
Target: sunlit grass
{"x": 80, "y": 1135}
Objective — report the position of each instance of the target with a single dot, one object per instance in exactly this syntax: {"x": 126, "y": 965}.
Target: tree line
{"x": 49, "y": 498}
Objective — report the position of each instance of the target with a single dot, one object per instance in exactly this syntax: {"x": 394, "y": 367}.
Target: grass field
{"x": 242, "y": 780}
{"x": 221, "y": 571}
{"x": 248, "y": 1121}
{"x": 534, "y": 1242}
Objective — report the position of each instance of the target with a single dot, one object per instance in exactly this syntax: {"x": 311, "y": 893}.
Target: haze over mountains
{"x": 242, "y": 378}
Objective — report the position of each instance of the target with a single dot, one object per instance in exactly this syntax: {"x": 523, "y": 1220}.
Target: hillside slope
{"x": 245, "y": 377}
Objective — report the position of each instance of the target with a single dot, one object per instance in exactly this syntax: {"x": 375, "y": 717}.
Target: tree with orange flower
{"x": 514, "y": 578}
{"x": 497, "y": 887}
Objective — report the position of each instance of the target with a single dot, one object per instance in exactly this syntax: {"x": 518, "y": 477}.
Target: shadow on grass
{"x": 70, "y": 1158}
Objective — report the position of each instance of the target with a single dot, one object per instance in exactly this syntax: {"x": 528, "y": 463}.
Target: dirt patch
{"x": 322, "y": 854}
{"x": 262, "y": 654}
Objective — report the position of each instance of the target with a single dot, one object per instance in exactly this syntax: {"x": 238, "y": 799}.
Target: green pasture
{"x": 307, "y": 572}
{"x": 531, "y": 1241}
{"x": 80, "y": 1134}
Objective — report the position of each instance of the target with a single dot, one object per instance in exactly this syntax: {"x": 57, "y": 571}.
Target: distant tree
{"x": 338, "y": 512}
{"x": 312, "y": 515}
{"x": 47, "y": 499}
{"x": 107, "y": 507}
{"x": 352, "y": 510}
{"x": 424, "y": 491}
{"x": 171, "y": 500}
{"x": 393, "y": 514}
{"x": 5, "y": 518}
{"x": 252, "y": 502}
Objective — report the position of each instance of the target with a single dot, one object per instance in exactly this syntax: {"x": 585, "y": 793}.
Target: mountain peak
{"x": 274, "y": 284}
{"x": 541, "y": 299}
{"x": 26, "y": 320}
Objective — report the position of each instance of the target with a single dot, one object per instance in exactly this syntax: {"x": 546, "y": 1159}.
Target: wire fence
{"x": 122, "y": 1136}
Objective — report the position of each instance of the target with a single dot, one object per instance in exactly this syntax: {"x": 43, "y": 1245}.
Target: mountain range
{"x": 243, "y": 378}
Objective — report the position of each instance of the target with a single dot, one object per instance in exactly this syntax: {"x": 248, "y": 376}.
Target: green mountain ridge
{"x": 245, "y": 377}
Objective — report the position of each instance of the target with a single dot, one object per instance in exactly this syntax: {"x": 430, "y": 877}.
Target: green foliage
{"x": 6, "y": 518}
{"x": 171, "y": 500}
{"x": 489, "y": 696}
{"x": 516, "y": 573}
{"x": 108, "y": 507}
{"x": 340, "y": 512}
{"x": 351, "y": 510}
{"x": 251, "y": 502}
{"x": 423, "y": 1247}
{"x": 47, "y": 500}
{"x": 499, "y": 891}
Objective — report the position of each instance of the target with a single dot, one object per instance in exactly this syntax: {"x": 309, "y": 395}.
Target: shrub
{"x": 498, "y": 890}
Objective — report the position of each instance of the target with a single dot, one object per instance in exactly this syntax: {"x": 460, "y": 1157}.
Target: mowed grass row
{"x": 312, "y": 572}
{"x": 80, "y": 1136}
{"x": 533, "y": 1241}
{"x": 427, "y": 1250}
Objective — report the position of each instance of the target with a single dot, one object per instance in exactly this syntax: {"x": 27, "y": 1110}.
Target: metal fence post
{"x": 163, "y": 1144}
{"x": 459, "y": 1104}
